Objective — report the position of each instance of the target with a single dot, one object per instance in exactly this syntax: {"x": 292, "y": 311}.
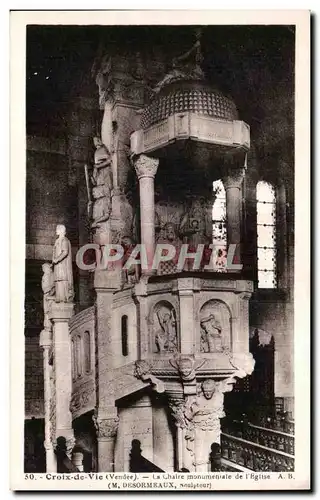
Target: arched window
{"x": 219, "y": 227}
{"x": 87, "y": 352}
{"x": 124, "y": 335}
{"x": 73, "y": 357}
{"x": 78, "y": 356}
{"x": 266, "y": 235}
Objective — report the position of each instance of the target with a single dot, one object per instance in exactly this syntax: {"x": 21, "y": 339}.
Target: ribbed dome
{"x": 188, "y": 95}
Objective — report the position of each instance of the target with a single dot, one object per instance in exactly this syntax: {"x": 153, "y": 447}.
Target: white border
{"x": 19, "y": 20}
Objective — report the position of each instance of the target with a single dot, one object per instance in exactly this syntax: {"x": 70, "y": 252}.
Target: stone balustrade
{"x": 254, "y": 456}
{"x": 271, "y": 438}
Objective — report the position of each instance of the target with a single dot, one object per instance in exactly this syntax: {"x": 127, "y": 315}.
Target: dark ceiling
{"x": 253, "y": 64}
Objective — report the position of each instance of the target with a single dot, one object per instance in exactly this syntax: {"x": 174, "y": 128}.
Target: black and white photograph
{"x": 159, "y": 273}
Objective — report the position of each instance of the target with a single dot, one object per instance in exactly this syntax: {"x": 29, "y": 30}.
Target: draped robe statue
{"x": 47, "y": 284}
{"x": 62, "y": 266}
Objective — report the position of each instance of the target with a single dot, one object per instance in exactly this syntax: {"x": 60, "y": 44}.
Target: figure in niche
{"x": 211, "y": 335}
{"x": 194, "y": 228}
{"x": 131, "y": 275}
{"x": 168, "y": 234}
{"x": 47, "y": 284}
{"x": 62, "y": 266}
{"x": 166, "y": 338}
{"x": 99, "y": 209}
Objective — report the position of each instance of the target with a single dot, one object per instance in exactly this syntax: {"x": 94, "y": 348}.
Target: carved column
{"x": 146, "y": 169}
{"x": 184, "y": 433}
{"x": 187, "y": 314}
{"x": 107, "y": 341}
{"x": 45, "y": 343}
{"x": 106, "y": 433}
{"x": 207, "y": 413}
{"x": 233, "y": 183}
{"x": 60, "y": 314}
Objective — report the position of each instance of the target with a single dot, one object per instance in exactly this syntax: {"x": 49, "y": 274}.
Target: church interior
{"x": 180, "y": 135}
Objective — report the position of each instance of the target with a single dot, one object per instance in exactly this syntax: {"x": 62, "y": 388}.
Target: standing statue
{"x": 47, "y": 284}
{"x": 211, "y": 338}
{"x": 62, "y": 266}
{"x": 99, "y": 208}
{"x": 194, "y": 229}
{"x": 168, "y": 234}
{"x": 166, "y": 340}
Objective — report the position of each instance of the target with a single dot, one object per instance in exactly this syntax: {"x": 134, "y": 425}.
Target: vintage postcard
{"x": 160, "y": 197}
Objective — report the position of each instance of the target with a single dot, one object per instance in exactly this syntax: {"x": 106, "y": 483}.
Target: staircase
{"x": 256, "y": 448}
{"x": 138, "y": 463}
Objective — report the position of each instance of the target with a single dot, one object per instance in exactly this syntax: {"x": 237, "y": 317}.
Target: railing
{"x": 254, "y": 456}
{"x": 281, "y": 422}
{"x": 271, "y": 438}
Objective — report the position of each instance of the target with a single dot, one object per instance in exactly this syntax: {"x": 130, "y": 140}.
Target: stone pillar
{"x": 107, "y": 340}
{"x": 60, "y": 314}
{"x": 187, "y": 314}
{"x": 184, "y": 446}
{"x": 106, "y": 433}
{"x": 163, "y": 450}
{"x": 141, "y": 299}
{"x": 77, "y": 460}
{"x": 146, "y": 169}
{"x": 232, "y": 183}
{"x": 45, "y": 343}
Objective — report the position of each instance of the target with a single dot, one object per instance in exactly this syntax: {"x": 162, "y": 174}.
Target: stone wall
{"x": 33, "y": 379}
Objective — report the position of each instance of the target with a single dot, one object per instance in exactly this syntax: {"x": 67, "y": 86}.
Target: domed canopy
{"x": 193, "y": 96}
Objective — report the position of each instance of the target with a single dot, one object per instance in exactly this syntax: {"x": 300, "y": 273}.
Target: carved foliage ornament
{"x": 145, "y": 166}
{"x": 106, "y": 427}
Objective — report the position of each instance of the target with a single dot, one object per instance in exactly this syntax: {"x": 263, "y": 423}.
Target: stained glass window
{"x": 266, "y": 234}
{"x": 219, "y": 228}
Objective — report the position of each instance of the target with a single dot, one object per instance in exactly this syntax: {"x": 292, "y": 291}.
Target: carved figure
{"x": 131, "y": 275}
{"x": 48, "y": 288}
{"x": 166, "y": 339}
{"x": 62, "y": 266}
{"x": 168, "y": 234}
{"x": 211, "y": 335}
{"x": 194, "y": 229}
{"x": 187, "y": 66}
{"x": 99, "y": 209}
{"x": 143, "y": 372}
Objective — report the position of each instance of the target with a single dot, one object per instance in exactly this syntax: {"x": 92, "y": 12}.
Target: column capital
{"x": 145, "y": 166}
{"x": 106, "y": 427}
{"x": 233, "y": 178}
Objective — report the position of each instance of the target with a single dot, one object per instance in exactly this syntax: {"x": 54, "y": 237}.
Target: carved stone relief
{"x": 143, "y": 372}
{"x": 106, "y": 427}
{"x": 99, "y": 187}
{"x": 48, "y": 288}
{"x": 215, "y": 327}
{"x": 195, "y": 225}
{"x": 165, "y": 328}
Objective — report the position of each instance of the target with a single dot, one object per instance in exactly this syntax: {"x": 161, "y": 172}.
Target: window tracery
{"x": 266, "y": 235}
